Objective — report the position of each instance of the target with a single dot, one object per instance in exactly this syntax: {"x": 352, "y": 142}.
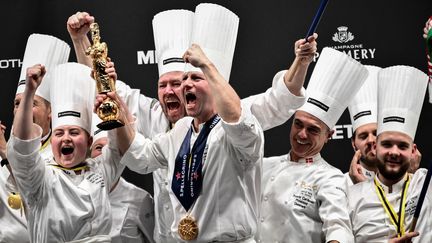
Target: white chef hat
{"x": 335, "y": 80}
{"x": 46, "y": 50}
{"x": 97, "y": 132}
{"x": 401, "y": 90}
{"x": 363, "y": 107}
{"x": 72, "y": 96}
{"x": 172, "y": 32}
{"x": 215, "y": 31}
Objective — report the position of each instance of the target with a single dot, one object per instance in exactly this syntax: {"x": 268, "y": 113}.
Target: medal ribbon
{"x": 187, "y": 176}
{"x": 396, "y": 219}
{"x": 77, "y": 168}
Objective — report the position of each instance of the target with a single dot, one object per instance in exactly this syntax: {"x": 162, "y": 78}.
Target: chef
{"x": 66, "y": 199}
{"x": 131, "y": 207}
{"x": 363, "y": 114}
{"x": 304, "y": 197}
{"x": 383, "y": 208}
{"x": 214, "y": 156}
{"x": 49, "y": 51}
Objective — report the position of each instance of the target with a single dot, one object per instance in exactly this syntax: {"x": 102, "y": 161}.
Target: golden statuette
{"x": 188, "y": 228}
{"x": 108, "y": 111}
{"x": 14, "y": 201}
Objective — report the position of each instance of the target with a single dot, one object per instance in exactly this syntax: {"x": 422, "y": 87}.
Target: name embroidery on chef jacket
{"x": 96, "y": 178}
{"x": 304, "y": 194}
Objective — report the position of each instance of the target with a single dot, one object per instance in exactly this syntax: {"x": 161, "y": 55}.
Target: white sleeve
{"x": 146, "y": 220}
{"x": 27, "y": 165}
{"x": 109, "y": 160}
{"x": 144, "y": 155}
{"x": 333, "y": 209}
{"x": 246, "y": 137}
{"x": 150, "y": 117}
{"x": 276, "y": 105}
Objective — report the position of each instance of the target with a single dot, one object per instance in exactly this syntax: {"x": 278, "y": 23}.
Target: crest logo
{"x": 343, "y": 36}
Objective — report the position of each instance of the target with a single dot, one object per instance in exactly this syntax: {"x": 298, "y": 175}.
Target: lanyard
{"x": 188, "y": 176}
{"x": 78, "y": 168}
{"x": 396, "y": 219}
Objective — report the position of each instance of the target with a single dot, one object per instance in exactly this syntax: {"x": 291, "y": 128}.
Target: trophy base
{"x": 109, "y": 125}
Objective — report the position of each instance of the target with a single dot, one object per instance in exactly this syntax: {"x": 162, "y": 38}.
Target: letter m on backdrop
{"x": 146, "y": 57}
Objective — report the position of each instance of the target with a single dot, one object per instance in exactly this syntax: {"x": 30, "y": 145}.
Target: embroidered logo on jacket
{"x": 96, "y": 179}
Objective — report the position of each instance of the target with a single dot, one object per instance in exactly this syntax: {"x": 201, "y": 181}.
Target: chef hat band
{"x": 72, "y": 96}
{"x": 172, "y": 32}
{"x": 97, "y": 132}
{"x": 363, "y": 107}
{"x": 334, "y": 81}
{"x": 401, "y": 90}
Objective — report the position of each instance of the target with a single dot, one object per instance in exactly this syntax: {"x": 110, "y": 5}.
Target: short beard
{"x": 390, "y": 175}
{"x": 370, "y": 162}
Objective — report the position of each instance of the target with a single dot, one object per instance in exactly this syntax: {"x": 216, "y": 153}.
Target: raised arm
{"x": 305, "y": 52}
{"x": 78, "y": 25}
{"x": 279, "y": 102}
{"x": 226, "y": 99}
{"x": 23, "y": 122}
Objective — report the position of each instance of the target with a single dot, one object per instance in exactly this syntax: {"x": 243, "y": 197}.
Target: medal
{"x": 14, "y": 201}
{"x": 188, "y": 228}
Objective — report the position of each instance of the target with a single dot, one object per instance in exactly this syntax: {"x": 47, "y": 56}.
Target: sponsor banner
{"x": 345, "y": 42}
{"x": 10, "y": 63}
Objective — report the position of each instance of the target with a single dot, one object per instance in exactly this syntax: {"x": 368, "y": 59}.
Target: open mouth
{"x": 190, "y": 98}
{"x": 173, "y": 105}
{"x": 66, "y": 150}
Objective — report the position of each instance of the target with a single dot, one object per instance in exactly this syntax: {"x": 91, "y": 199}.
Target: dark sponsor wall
{"x": 381, "y": 33}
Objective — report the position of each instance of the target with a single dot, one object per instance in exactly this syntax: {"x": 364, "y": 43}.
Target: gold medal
{"x": 14, "y": 201}
{"x": 188, "y": 228}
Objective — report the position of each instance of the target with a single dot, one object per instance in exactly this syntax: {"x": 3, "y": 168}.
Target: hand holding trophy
{"x": 108, "y": 111}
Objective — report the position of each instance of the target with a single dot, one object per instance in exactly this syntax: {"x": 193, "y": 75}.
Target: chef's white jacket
{"x": 371, "y": 223}
{"x": 63, "y": 205}
{"x": 303, "y": 201}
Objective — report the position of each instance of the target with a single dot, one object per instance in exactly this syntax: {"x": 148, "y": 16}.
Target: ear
{"x": 414, "y": 150}
{"x": 353, "y": 143}
{"x": 90, "y": 141}
{"x": 330, "y": 134}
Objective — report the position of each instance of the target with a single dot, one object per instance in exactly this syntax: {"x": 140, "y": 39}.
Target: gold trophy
{"x": 108, "y": 111}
